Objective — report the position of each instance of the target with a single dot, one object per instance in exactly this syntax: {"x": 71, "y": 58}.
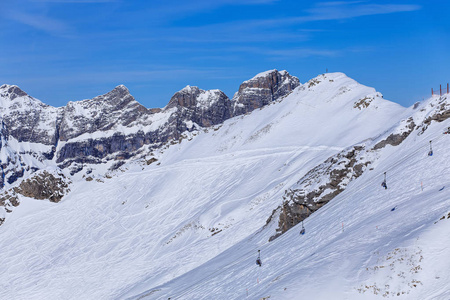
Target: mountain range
{"x": 106, "y": 199}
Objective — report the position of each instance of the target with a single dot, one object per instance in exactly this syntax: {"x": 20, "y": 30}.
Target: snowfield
{"x": 189, "y": 225}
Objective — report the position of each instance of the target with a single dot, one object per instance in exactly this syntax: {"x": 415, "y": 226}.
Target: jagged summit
{"x": 168, "y": 207}
{"x": 188, "y": 88}
{"x": 115, "y": 97}
{"x": 267, "y": 73}
{"x": 115, "y": 126}
{"x": 11, "y": 91}
{"x": 192, "y": 96}
{"x": 186, "y": 97}
{"x": 263, "y": 89}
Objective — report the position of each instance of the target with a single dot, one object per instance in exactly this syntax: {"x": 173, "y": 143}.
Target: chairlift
{"x": 258, "y": 260}
{"x": 430, "y": 153}
{"x": 302, "y": 232}
{"x": 383, "y": 184}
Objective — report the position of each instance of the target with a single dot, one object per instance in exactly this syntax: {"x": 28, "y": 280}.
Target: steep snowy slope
{"x": 324, "y": 112}
{"x": 114, "y": 128}
{"x": 367, "y": 243}
{"x": 202, "y": 204}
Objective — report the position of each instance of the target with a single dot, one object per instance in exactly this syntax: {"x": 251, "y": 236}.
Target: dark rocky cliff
{"x": 262, "y": 90}
{"x": 25, "y": 118}
{"x": 114, "y": 126}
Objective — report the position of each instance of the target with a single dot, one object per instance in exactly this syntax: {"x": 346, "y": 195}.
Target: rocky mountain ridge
{"x": 203, "y": 199}
{"x": 327, "y": 180}
{"x": 114, "y": 126}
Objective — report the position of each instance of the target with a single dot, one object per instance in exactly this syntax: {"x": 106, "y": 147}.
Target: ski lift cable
{"x": 205, "y": 279}
{"x": 418, "y": 149}
{"x": 402, "y": 160}
{"x": 436, "y": 137}
{"x": 244, "y": 257}
{"x": 199, "y": 283}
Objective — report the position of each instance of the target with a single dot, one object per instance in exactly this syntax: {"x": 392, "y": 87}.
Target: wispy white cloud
{"x": 352, "y": 9}
{"x": 301, "y": 53}
{"x": 279, "y": 29}
{"x": 340, "y": 10}
{"x": 39, "y": 22}
{"x": 117, "y": 76}
{"x": 282, "y": 53}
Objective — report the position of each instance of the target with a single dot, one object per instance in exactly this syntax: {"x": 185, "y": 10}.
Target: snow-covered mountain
{"x": 112, "y": 128}
{"x": 183, "y": 215}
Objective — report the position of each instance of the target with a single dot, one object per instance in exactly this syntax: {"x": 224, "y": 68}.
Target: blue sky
{"x": 68, "y": 50}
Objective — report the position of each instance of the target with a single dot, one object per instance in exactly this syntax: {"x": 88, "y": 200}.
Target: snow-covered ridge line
{"x": 186, "y": 219}
{"x": 113, "y": 125}
{"x": 356, "y": 237}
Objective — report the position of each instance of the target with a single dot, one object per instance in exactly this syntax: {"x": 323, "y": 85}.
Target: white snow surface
{"x": 189, "y": 225}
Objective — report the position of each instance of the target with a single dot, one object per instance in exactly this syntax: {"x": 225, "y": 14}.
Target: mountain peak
{"x": 11, "y": 91}
{"x": 189, "y": 89}
{"x": 262, "y": 89}
{"x": 118, "y": 96}
{"x": 186, "y": 97}
{"x": 119, "y": 90}
{"x": 268, "y": 73}
{"x": 121, "y": 87}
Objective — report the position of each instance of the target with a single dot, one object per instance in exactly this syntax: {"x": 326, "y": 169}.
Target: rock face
{"x": 395, "y": 139}
{"x": 102, "y": 120}
{"x": 115, "y": 126}
{"x": 205, "y": 108}
{"x": 319, "y": 186}
{"x": 42, "y": 186}
{"x": 262, "y": 90}
{"x": 25, "y": 118}
{"x": 102, "y": 113}
{"x": 440, "y": 111}
{"x": 327, "y": 180}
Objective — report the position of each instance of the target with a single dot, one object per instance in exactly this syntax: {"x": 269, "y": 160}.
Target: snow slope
{"x": 356, "y": 247}
{"x": 189, "y": 225}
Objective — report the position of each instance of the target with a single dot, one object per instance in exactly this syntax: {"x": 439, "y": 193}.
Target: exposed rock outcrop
{"x": 319, "y": 186}
{"x": 118, "y": 108}
{"x": 204, "y": 108}
{"x": 329, "y": 179}
{"x": 395, "y": 139}
{"x": 9, "y": 200}
{"x": 26, "y": 118}
{"x": 262, "y": 90}
{"x": 115, "y": 126}
{"x": 440, "y": 111}
{"x": 42, "y": 186}
{"x": 45, "y": 185}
